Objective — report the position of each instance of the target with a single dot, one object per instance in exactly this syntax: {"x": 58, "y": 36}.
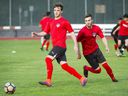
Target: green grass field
{"x": 26, "y": 67}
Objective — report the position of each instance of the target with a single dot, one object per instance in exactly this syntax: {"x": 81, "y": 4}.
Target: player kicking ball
{"x": 92, "y": 53}
{"x": 58, "y": 28}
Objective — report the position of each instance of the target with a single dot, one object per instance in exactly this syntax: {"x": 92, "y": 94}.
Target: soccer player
{"x": 45, "y": 39}
{"x": 123, "y": 33}
{"x": 58, "y": 28}
{"x": 92, "y": 53}
{"x": 115, "y": 36}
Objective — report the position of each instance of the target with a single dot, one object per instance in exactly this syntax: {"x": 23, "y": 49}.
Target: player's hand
{"x": 113, "y": 33}
{"x": 107, "y": 50}
{"x": 77, "y": 52}
{"x": 33, "y": 34}
{"x": 78, "y": 56}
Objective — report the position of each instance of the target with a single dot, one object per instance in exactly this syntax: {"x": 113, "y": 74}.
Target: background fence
{"x": 29, "y": 12}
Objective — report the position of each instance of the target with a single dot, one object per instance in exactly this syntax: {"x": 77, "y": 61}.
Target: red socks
{"x": 71, "y": 70}
{"x": 44, "y": 43}
{"x": 92, "y": 69}
{"x": 49, "y": 67}
{"x": 116, "y": 46}
{"x": 47, "y": 45}
{"x": 109, "y": 70}
{"x": 67, "y": 68}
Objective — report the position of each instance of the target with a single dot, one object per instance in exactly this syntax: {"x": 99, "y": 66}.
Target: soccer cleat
{"x": 46, "y": 83}
{"x": 47, "y": 50}
{"x": 115, "y": 80}
{"x": 83, "y": 81}
{"x": 41, "y": 48}
{"x": 85, "y": 71}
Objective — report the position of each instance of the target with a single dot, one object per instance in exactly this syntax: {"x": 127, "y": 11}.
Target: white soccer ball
{"x": 9, "y": 88}
{"x": 13, "y": 51}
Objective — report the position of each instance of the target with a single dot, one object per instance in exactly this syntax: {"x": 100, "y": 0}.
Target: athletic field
{"x": 26, "y": 68}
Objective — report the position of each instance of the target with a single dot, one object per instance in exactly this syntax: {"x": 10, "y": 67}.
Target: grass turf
{"x": 26, "y": 67}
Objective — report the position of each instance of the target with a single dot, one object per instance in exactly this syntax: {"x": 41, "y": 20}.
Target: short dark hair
{"x": 59, "y": 5}
{"x": 89, "y": 15}
{"x": 125, "y": 16}
{"x": 120, "y": 18}
{"x": 48, "y": 13}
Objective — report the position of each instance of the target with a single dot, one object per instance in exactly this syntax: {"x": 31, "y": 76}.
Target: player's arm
{"x": 79, "y": 53}
{"x": 76, "y": 46}
{"x": 40, "y": 25}
{"x": 117, "y": 29}
{"x": 40, "y": 34}
{"x": 104, "y": 40}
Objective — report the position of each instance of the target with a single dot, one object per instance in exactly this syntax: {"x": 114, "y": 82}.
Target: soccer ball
{"x": 9, "y": 88}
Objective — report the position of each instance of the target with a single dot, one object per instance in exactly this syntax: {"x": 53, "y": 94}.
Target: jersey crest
{"x": 58, "y": 25}
{"x": 94, "y": 34}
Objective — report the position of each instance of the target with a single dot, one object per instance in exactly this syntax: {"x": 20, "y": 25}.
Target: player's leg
{"x": 61, "y": 59}
{"x": 43, "y": 41}
{"x": 109, "y": 71}
{"x": 94, "y": 65}
{"x": 49, "y": 66}
{"x": 47, "y": 44}
{"x": 47, "y": 38}
{"x": 116, "y": 42}
{"x": 101, "y": 59}
{"x": 94, "y": 68}
{"x": 126, "y": 43}
{"x": 120, "y": 45}
{"x": 91, "y": 69}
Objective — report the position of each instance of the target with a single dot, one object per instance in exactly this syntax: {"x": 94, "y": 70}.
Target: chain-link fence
{"x": 29, "y": 12}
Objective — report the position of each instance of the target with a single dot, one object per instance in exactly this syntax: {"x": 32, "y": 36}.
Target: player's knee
{"x": 64, "y": 66}
{"x": 98, "y": 70}
{"x": 126, "y": 45}
{"x": 119, "y": 46}
{"x": 48, "y": 59}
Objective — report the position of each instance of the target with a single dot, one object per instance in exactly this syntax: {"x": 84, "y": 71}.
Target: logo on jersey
{"x": 58, "y": 25}
{"x": 125, "y": 25}
{"x": 94, "y": 34}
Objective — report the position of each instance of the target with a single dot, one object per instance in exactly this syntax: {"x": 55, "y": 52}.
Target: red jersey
{"x": 58, "y": 29}
{"x": 44, "y": 21}
{"x": 87, "y": 37}
{"x": 123, "y": 31}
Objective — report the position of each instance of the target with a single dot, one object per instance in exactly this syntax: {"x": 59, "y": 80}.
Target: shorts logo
{"x": 94, "y": 34}
{"x": 58, "y": 25}
{"x": 54, "y": 55}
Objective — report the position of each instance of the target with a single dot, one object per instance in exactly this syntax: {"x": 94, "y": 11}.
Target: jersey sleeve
{"x": 68, "y": 27}
{"x": 100, "y": 33}
{"x": 80, "y": 36}
{"x": 122, "y": 22}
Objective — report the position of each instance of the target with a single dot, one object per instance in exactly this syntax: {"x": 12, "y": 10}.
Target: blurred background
{"x": 28, "y": 13}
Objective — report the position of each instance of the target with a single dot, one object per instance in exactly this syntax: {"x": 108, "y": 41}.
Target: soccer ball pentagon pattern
{"x": 9, "y": 88}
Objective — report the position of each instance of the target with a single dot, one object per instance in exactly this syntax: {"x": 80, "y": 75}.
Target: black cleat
{"x": 45, "y": 83}
{"x": 47, "y": 50}
{"x": 85, "y": 72}
{"x": 42, "y": 49}
{"x": 114, "y": 80}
